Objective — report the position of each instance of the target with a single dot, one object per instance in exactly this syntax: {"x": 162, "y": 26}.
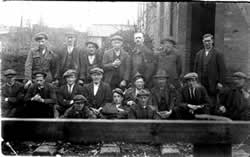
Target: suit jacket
{"x": 110, "y": 111}
{"x": 137, "y": 112}
{"x": 216, "y": 70}
{"x": 86, "y": 66}
{"x": 64, "y": 97}
{"x": 124, "y": 68}
{"x": 14, "y": 93}
{"x": 61, "y": 61}
{"x": 85, "y": 113}
{"x": 47, "y": 93}
{"x": 103, "y": 95}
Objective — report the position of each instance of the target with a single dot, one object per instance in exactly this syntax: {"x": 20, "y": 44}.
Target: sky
{"x": 80, "y": 15}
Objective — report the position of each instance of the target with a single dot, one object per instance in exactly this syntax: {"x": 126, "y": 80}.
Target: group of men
{"x": 117, "y": 84}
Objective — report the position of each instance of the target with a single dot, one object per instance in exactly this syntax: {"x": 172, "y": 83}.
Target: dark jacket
{"x": 215, "y": 72}
{"x": 110, "y": 111}
{"x": 103, "y": 95}
{"x": 86, "y": 66}
{"x": 146, "y": 66}
{"x": 15, "y": 95}
{"x": 137, "y": 112}
{"x": 124, "y": 68}
{"x": 84, "y": 113}
{"x": 237, "y": 106}
{"x": 62, "y": 58}
{"x": 64, "y": 97}
{"x": 36, "y": 61}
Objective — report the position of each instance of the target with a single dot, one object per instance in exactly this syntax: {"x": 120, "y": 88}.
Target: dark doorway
{"x": 203, "y": 21}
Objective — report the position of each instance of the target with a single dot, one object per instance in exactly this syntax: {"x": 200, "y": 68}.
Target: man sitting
{"x": 116, "y": 109}
{"x": 79, "y": 109}
{"x": 67, "y": 92}
{"x": 142, "y": 109}
{"x": 193, "y": 98}
{"x": 40, "y": 98}
{"x": 12, "y": 95}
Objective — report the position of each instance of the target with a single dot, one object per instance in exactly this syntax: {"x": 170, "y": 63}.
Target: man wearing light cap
{"x": 40, "y": 98}
{"x": 193, "y": 98}
{"x": 97, "y": 92}
{"x": 12, "y": 95}
{"x": 41, "y": 59}
{"x": 235, "y": 101}
{"x": 68, "y": 57}
{"x": 116, "y": 64}
{"x": 67, "y": 92}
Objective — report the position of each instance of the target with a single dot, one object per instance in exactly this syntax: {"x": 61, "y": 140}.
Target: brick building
{"x": 188, "y": 21}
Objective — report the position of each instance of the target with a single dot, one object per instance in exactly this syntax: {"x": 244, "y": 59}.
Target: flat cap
{"x": 191, "y": 75}
{"x": 96, "y": 70}
{"x": 161, "y": 74}
{"x": 117, "y": 37}
{"x": 9, "y": 72}
{"x": 70, "y": 34}
{"x": 93, "y": 43}
{"x": 143, "y": 92}
{"x": 39, "y": 73}
{"x": 138, "y": 76}
{"x": 41, "y": 35}
{"x": 240, "y": 75}
{"x": 118, "y": 91}
{"x": 170, "y": 39}
{"x": 69, "y": 72}
{"x": 79, "y": 98}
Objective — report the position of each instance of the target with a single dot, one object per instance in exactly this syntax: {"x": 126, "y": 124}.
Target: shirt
{"x": 117, "y": 53}
{"x": 96, "y": 87}
{"x": 70, "y": 88}
{"x": 70, "y": 49}
{"x": 91, "y": 59}
{"x": 206, "y": 51}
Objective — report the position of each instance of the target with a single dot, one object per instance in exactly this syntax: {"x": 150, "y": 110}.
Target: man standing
{"x": 12, "y": 95}
{"x": 210, "y": 67}
{"x": 97, "y": 92}
{"x": 89, "y": 60}
{"x": 41, "y": 59}
{"x": 143, "y": 60}
{"x": 170, "y": 61}
{"x": 68, "y": 58}
{"x": 235, "y": 102}
{"x": 40, "y": 98}
{"x": 116, "y": 64}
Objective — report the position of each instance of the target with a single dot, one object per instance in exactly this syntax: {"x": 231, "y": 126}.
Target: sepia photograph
{"x": 125, "y": 79}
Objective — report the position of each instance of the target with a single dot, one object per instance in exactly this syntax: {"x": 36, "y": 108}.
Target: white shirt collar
{"x": 96, "y": 87}
{"x": 91, "y": 58}
{"x": 70, "y": 49}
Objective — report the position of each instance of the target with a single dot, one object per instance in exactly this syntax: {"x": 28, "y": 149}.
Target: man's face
{"x": 91, "y": 49}
{"x": 138, "y": 39}
{"x": 79, "y": 105}
{"x": 162, "y": 81}
{"x": 208, "y": 42}
{"x": 96, "y": 77}
{"x": 139, "y": 83}
{"x": 71, "y": 79}
{"x": 192, "y": 82}
{"x": 117, "y": 44}
{"x": 40, "y": 80}
{"x": 71, "y": 41}
{"x": 42, "y": 43}
{"x": 239, "y": 82}
{"x": 10, "y": 79}
{"x": 143, "y": 100}
{"x": 167, "y": 46}
{"x": 117, "y": 98}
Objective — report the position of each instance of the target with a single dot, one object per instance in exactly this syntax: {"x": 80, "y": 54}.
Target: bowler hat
{"x": 39, "y": 73}
{"x": 191, "y": 75}
{"x": 240, "y": 75}
{"x": 96, "y": 70}
{"x": 79, "y": 98}
{"x": 9, "y": 72}
{"x": 143, "y": 92}
{"x": 168, "y": 38}
{"x": 161, "y": 74}
{"x": 41, "y": 35}
{"x": 69, "y": 72}
{"x": 93, "y": 43}
{"x": 117, "y": 37}
{"x": 118, "y": 91}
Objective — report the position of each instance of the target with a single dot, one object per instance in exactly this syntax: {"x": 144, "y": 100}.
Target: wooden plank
{"x": 135, "y": 131}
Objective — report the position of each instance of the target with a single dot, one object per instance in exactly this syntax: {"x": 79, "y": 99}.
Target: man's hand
{"x": 123, "y": 83}
{"x": 27, "y": 84}
{"x": 55, "y": 83}
{"x": 71, "y": 102}
{"x": 80, "y": 82}
{"x": 165, "y": 114}
{"x": 116, "y": 63}
{"x": 130, "y": 103}
{"x": 219, "y": 86}
{"x": 36, "y": 97}
{"x": 222, "y": 109}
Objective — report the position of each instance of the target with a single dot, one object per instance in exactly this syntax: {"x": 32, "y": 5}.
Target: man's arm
{"x": 28, "y": 66}
{"x": 221, "y": 67}
{"x": 52, "y": 99}
{"x": 107, "y": 65}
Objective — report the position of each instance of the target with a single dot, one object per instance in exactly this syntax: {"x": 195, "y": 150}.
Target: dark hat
{"x": 118, "y": 91}
{"x": 161, "y": 74}
{"x": 240, "y": 75}
{"x": 143, "y": 92}
{"x": 96, "y": 70}
{"x": 169, "y": 38}
{"x": 70, "y": 34}
{"x": 191, "y": 75}
{"x": 69, "y": 72}
{"x": 137, "y": 76}
{"x": 93, "y": 43}
{"x": 80, "y": 98}
{"x": 207, "y": 35}
{"x": 41, "y": 35}
{"x": 117, "y": 37}
{"x": 39, "y": 73}
{"x": 9, "y": 72}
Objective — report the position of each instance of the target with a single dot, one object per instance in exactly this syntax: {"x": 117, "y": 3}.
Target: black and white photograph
{"x": 125, "y": 79}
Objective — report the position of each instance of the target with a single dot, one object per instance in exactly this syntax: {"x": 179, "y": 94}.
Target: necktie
{"x": 70, "y": 89}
